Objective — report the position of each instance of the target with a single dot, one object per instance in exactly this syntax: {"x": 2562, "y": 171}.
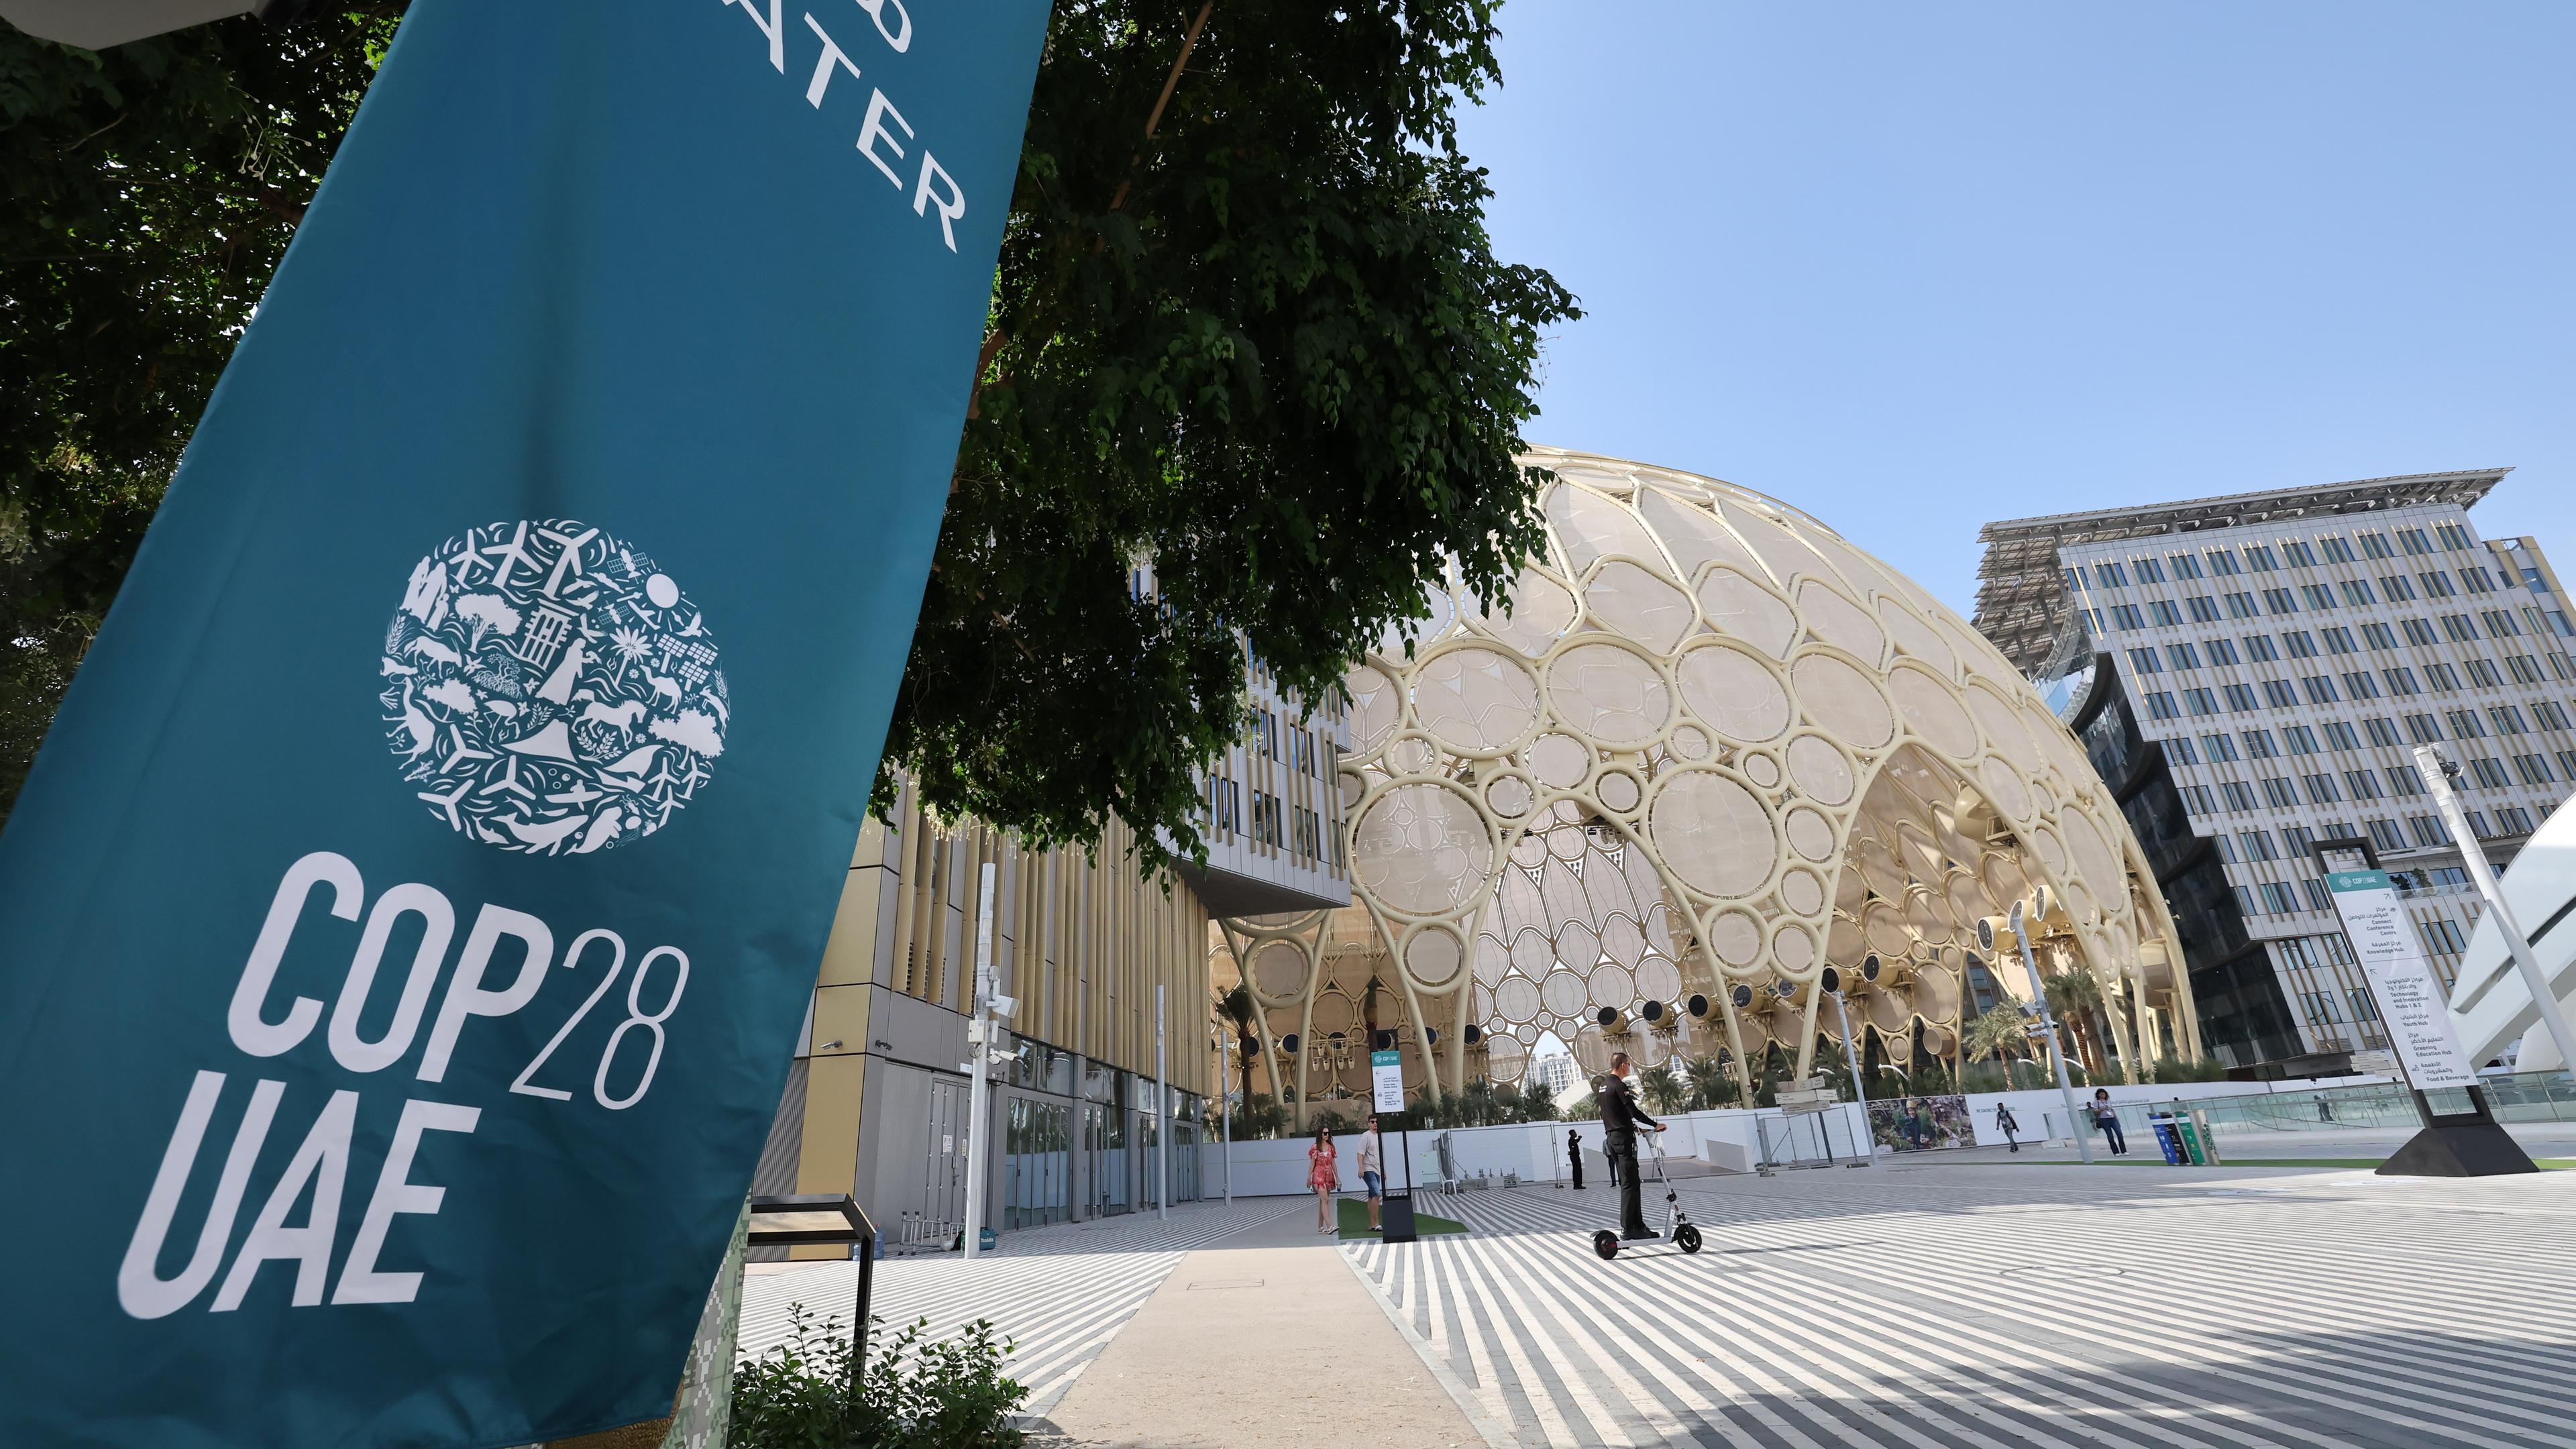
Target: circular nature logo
{"x": 548, "y": 690}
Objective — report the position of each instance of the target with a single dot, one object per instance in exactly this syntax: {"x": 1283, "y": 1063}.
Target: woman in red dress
{"x": 1324, "y": 1175}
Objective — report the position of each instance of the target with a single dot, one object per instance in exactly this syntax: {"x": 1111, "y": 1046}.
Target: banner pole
{"x": 979, "y": 1042}
{"x": 2437, "y": 772}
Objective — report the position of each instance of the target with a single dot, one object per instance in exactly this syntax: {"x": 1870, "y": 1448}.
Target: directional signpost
{"x": 2418, "y": 1019}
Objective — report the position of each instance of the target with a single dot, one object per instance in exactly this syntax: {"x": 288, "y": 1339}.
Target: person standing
{"x": 1324, "y": 1175}
{"x": 1620, "y": 1119}
{"x": 2005, "y": 1124}
{"x": 1373, "y": 1169}
{"x": 1574, "y": 1155}
{"x": 2107, "y": 1117}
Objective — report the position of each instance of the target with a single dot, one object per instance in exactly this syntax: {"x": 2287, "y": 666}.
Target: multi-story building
{"x": 1554, "y": 1074}
{"x": 2281, "y": 653}
{"x": 876, "y": 1103}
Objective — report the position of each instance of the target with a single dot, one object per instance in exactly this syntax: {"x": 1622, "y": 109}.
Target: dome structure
{"x": 1706, "y": 749}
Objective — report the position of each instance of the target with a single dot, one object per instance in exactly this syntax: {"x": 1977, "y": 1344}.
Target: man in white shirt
{"x": 1372, "y": 1169}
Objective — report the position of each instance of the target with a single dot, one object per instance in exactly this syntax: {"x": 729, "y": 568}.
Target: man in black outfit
{"x": 1620, "y": 1119}
{"x": 1574, "y": 1154}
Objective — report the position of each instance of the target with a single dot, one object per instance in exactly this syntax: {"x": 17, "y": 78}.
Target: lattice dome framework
{"x": 1708, "y": 749}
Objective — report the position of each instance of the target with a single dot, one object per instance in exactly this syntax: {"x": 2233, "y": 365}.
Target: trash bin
{"x": 2168, "y": 1140}
{"x": 2190, "y": 1136}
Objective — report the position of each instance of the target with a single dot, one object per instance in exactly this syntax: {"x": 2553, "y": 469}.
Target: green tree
{"x": 1664, "y": 1089}
{"x": 1248, "y": 330}
{"x": 2000, "y": 1034}
{"x": 2074, "y": 996}
{"x": 1237, "y": 1011}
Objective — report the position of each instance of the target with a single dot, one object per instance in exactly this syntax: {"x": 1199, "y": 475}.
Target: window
{"x": 2364, "y": 784}
{"x": 2381, "y": 730}
{"x": 2178, "y": 749}
{"x": 2549, "y": 714}
{"x": 2321, "y": 789}
{"x": 2404, "y": 780}
{"x": 2299, "y": 644}
{"x": 2277, "y": 898}
{"x": 2532, "y": 580}
{"x": 2199, "y": 701}
{"x": 2318, "y": 897}
{"x": 2376, "y": 545}
{"x": 2222, "y": 562}
{"x": 2319, "y": 597}
{"x": 2490, "y": 773}
{"x": 2237, "y": 796}
{"x": 2464, "y": 724}
{"x": 2437, "y": 585}
{"x": 2379, "y": 635}
{"x": 2338, "y": 640}
{"x": 2429, "y": 830}
{"x": 2241, "y": 606}
{"x": 2258, "y": 745}
{"x": 2400, "y": 680}
{"x": 2126, "y": 616}
{"x": 2221, "y": 749}
{"x": 2279, "y": 793}
{"x": 2143, "y": 661}
{"x": 2245, "y": 900}
{"x": 2335, "y": 550}
{"x": 2423, "y": 729}
{"x": 2514, "y": 819}
{"x": 2160, "y": 705}
{"x": 2149, "y": 571}
{"x": 2226, "y": 848}
{"x": 2500, "y": 624}
{"x": 2075, "y": 578}
{"x": 2534, "y": 770}
{"x": 2221, "y": 650}
{"x": 2444, "y": 937}
{"x": 2413, "y": 540}
{"x": 1225, "y": 805}
{"x": 2184, "y": 565}
{"x": 2204, "y": 609}
{"x": 2476, "y": 581}
{"x": 2195, "y": 798}
{"x": 2183, "y": 656}
{"x": 2452, "y": 535}
{"x": 2524, "y": 668}
{"x": 2295, "y": 841}
{"x": 2383, "y": 833}
{"x": 2257, "y": 844}
{"x": 2258, "y": 648}
{"x": 2320, "y": 688}
{"x": 2339, "y": 735}
{"x": 2358, "y": 684}
{"x": 2478, "y": 824}
{"x": 2300, "y": 739}
{"x": 2459, "y": 628}
{"x": 2567, "y": 763}
{"x": 2418, "y": 632}
{"x": 2441, "y": 677}
{"x": 2356, "y": 592}
{"x": 2506, "y": 719}
{"x": 2240, "y": 699}
{"x": 2164, "y": 613}
{"x": 2395, "y": 589}
{"x": 2363, "y": 1008}
{"x": 2279, "y": 601}
{"x": 2258, "y": 557}
{"x": 2482, "y": 672}
{"x": 2298, "y": 552}
{"x": 2278, "y": 692}
{"x": 2109, "y": 573}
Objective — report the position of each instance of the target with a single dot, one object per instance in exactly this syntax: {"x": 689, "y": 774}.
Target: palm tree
{"x": 2074, "y": 995}
{"x": 1536, "y": 1105}
{"x": 2001, "y": 1032}
{"x": 1664, "y": 1090}
{"x": 1237, "y": 1006}
{"x": 1712, "y": 1084}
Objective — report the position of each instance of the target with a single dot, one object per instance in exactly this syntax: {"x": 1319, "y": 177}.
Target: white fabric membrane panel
{"x": 1541, "y": 610}
{"x": 1421, "y": 849}
{"x": 1609, "y": 693}
{"x": 1735, "y": 693}
{"x": 1640, "y": 605}
{"x": 1739, "y": 608}
{"x": 1474, "y": 700}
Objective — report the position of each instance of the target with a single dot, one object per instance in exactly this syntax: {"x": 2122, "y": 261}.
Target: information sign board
{"x": 1386, "y": 1080}
{"x": 2411, "y": 1004}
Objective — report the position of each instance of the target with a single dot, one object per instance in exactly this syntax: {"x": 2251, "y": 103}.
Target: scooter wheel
{"x": 1606, "y": 1243}
{"x": 1686, "y": 1238}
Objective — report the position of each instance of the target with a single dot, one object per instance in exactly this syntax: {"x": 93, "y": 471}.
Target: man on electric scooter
{"x": 1619, "y": 1121}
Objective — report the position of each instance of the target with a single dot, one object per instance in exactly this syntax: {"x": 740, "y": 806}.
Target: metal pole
{"x": 1860, "y": 1094}
{"x": 1162, "y": 1118}
{"x": 1225, "y": 1105}
{"x": 2048, "y": 1022}
{"x": 2437, "y": 774}
{"x": 979, "y": 1046}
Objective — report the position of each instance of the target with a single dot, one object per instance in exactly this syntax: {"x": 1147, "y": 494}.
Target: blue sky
{"x": 1916, "y": 267}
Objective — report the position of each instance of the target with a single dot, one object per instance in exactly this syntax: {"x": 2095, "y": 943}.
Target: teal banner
{"x": 406, "y": 929}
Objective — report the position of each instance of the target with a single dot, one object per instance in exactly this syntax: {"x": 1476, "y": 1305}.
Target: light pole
{"x": 2439, "y": 772}
{"x": 2047, "y": 1021}
{"x": 1225, "y": 1106}
{"x": 1162, "y": 1118}
{"x": 979, "y": 1048}
{"x": 1851, "y": 1061}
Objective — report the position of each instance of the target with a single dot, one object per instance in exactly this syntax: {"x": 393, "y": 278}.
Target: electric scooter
{"x": 1678, "y": 1228}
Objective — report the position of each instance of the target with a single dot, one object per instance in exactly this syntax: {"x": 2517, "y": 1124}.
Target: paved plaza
{"x": 1914, "y": 1304}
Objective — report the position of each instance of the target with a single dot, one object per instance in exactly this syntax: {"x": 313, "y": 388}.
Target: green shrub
{"x": 949, "y": 1394}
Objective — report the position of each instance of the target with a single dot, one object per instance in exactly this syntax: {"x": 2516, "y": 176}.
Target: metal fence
{"x": 2516, "y": 1097}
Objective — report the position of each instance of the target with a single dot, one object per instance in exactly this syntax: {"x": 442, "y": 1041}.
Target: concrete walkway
{"x": 1283, "y": 1346}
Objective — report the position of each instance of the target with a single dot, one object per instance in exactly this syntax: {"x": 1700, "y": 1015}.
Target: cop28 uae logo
{"x": 548, "y": 690}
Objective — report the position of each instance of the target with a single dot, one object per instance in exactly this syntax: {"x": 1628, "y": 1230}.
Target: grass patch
{"x": 1354, "y": 1216}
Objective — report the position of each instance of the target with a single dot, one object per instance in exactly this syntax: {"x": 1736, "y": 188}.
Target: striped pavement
{"x": 1059, "y": 1293}
{"x": 1957, "y": 1306}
